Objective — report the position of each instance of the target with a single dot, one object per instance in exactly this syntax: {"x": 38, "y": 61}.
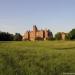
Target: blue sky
{"x": 21, "y": 15}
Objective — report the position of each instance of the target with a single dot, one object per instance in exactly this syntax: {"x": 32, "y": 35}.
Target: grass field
{"x": 37, "y": 58}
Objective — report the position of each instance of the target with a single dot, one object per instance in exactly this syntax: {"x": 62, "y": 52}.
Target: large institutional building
{"x": 36, "y": 34}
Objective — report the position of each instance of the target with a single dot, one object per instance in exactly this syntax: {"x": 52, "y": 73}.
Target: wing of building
{"x": 36, "y": 34}
{"x": 63, "y": 35}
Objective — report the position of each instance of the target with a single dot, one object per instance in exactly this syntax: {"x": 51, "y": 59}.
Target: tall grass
{"x": 37, "y": 58}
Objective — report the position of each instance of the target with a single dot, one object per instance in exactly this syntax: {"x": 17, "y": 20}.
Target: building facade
{"x": 36, "y": 34}
{"x": 63, "y": 35}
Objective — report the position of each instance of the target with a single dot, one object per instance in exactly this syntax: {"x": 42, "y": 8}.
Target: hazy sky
{"x": 21, "y": 15}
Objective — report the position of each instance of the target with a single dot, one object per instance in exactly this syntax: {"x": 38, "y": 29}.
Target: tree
{"x": 50, "y": 34}
{"x": 5, "y": 36}
{"x": 72, "y": 34}
{"x": 67, "y": 37}
{"x": 58, "y": 36}
{"x": 17, "y": 37}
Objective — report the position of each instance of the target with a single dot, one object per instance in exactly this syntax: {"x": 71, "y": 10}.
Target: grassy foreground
{"x": 37, "y": 58}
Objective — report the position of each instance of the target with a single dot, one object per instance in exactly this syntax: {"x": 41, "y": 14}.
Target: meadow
{"x": 37, "y": 58}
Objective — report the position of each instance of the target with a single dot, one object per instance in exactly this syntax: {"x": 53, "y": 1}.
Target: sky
{"x": 20, "y": 15}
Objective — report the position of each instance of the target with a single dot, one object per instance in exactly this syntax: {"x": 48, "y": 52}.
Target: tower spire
{"x": 34, "y": 28}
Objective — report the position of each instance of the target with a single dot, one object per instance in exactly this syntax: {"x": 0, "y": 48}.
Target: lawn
{"x": 37, "y": 58}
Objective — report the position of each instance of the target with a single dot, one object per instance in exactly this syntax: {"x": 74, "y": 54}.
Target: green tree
{"x": 58, "y": 36}
{"x": 67, "y": 37}
{"x": 5, "y": 36}
{"x": 17, "y": 37}
{"x": 72, "y": 34}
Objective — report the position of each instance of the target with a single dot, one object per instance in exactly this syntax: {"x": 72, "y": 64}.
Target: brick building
{"x": 36, "y": 34}
{"x": 63, "y": 35}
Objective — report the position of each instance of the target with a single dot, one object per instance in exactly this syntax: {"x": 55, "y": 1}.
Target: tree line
{"x": 68, "y": 36}
{"x": 5, "y": 36}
